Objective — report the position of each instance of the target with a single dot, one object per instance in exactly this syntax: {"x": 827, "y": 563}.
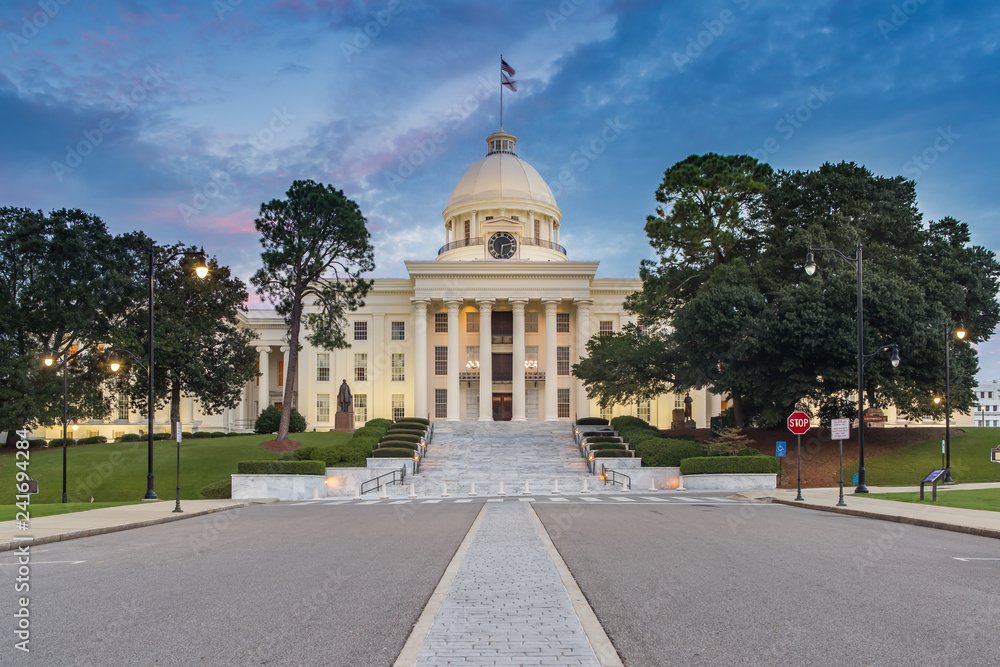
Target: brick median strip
{"x": 913, "y": 521}
{"x": 90, "y": 532}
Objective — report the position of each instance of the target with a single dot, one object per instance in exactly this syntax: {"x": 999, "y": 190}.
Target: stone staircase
{"x": 487, "y": 452}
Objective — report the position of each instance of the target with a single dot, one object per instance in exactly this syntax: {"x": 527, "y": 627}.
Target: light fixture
{"x": 937, "y": 400}
{"x": 49, "y": 361}
{"x": 810, "y": 264}
{"x": 115, "y": 365}
{"x": 74, "y": 426}
{"x": 894, "y": 359}
{"x": 960, "y": 331}
{"x": 201, "y": 267}
{"x": 530, "y": 364}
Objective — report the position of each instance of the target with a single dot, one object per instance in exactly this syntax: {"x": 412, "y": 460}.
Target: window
{"x": 281, "y": 372}
{"x": 399, "y": 330}
{"x": 323, "y": 367}
{"x": 360, "y": 331}
{"x": 116, "y": 435}
{"x": 398, "y": 367}
{"x": 440, "y": 322}
{"x": 440, "y": 360}
{"x": 606, "y": 413}
{"x": 530, "y": 322}
{"x": 531, "y": 354}
{"x": 531, "y": 403}
{"x": 361, "y": 367}
{"x": 678, "y": 402}
{"x": 643, "y": 329}
{"x": 605, "y": 327}
{"x": 562, "y": 360}
{"x": 514, "y": 217}
{"x": 398, "y": 406}
{"x": 123, "y": 407}
{"x": 472, "y": 322}
{"x": 472, "y": 357}
{"x": 360, "y": 408}
{"x": 322, "y": 407}
{"x": 562, "y": 322}
{"x": 642, "y": 410}
{"x": 92, "y": 434}
{"x": 441, "y": 403}
{"x": 562, "y": 403}
{"x": 989, "y": 394}
{"x": 538, "y": 229}
{"x": 471, "y": 403}
{"x": 489, "y": 217}
{"x": 468, "y": 230}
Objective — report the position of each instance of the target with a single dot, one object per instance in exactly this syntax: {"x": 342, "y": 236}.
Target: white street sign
{"x": 840, "y": 429}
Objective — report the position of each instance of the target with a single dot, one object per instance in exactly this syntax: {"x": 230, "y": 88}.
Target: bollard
{"x": 555, "y": 486}
{"x": 357, "y": 491}
{"x": 527, "y": 491}
{"x": 652, "y": 483}
{"x": 472, "y": 488}
{"x": 627, "y": 486}
{"x": 501, "y": 492}
{"x": 680, "y": 484}
{"x": 444, "y": 489}
{"x": 384, "y": 493}
{"x": 586, "y": 488}
{"x": 413, "y": 493}
{"x": 315, "y": 493}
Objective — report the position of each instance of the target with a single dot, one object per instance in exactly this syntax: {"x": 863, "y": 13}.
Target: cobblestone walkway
{"x": 507, "y": 604}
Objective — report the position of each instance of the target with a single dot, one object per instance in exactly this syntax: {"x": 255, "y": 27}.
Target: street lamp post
{"x": 959, "y": 333}
{"x": 858, "y": 261}
{"x": 65, "y": 419}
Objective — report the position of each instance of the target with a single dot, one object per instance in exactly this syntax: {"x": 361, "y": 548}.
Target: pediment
{"x": 502, "y": 224}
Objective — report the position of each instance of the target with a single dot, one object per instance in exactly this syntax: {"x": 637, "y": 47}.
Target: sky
{"x": 180, "y": 118}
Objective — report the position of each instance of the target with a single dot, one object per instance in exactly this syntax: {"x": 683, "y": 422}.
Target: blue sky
{"x": 181, "y": 118}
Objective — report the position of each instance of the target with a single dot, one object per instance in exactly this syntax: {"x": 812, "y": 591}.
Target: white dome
{"x": 501, "y": 174}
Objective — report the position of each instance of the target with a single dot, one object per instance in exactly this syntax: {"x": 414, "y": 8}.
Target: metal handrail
{"x": 542, "y": 243}
{"x": 379, "y": 484}
{"x": 478, "y": 240}
{"x": 614, "y": 475}
{"x": 461, "y": 243}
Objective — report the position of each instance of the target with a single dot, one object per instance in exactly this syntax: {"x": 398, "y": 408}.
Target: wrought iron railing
{"x": 542, "y": 243}
{"x": 613, "y": 475}
{"x": 376, "y": 483}
{"x": 525, "y": 240}
{"x": 461, "y": 243}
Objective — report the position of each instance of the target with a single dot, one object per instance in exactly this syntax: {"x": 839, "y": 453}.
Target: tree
{"x": 201, "y": 351}
{"x": 66, "y": 285}
{"x": 316, "y": 248}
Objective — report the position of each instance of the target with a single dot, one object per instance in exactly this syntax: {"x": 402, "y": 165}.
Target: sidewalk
{"x": 975, "y": 522}
{"x": 107, "y": 520}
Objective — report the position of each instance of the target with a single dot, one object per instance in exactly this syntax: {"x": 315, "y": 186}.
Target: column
{"x": 551, "y": 376}
{"x": 485, "y": 359}
{"x": 379, "y": 369}
{"x": 453, "y": 357}
{"x": 582, "y": 336}
{"x": 518, "y": 403}
{"x": 420, "y": 357}
{"x": 264, "y": 389}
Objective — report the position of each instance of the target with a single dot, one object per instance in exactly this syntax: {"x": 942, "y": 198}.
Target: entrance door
{"x": 503, "y": 408}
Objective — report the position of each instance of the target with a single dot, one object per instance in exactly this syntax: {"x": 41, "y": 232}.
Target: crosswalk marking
{"x": 602, "y": 498}
{"x": 559, "y": 500}
{"x": 591, "y": 500}
{"x": 623, "y": 500}
{"x": 399, "y": 502}
{"x": 430, "y": 502}
{"x": 464, "y": 500}
{"x": 689, "y": 500}
{"x": 336, "y": 502}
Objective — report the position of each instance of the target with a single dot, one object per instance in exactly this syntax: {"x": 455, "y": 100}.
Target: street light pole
{"x": 960, "y": 334}
{"x": 65, "y": 420}
{"x": 150, "y": 493}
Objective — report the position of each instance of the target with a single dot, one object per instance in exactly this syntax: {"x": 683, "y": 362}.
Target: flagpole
{"x": 501, "y": 92}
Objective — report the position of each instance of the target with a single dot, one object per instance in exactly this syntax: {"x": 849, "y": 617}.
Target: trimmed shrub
{"x": 400, "y": 435}
{"x": 281, "y": 468}
{"x": 748, "y": 451}
{"x": 405, "y": 431}
{"x": 419, "y": 420}
{"x": 218, "y": 434}
{"x": 130, "y": 437}
{"x": 365, "y": 431}
{"x": 398, "y": 443}
{"x": 233, "y": 434}
{"x": 37, "y": 442}
{"x": 378, "y": 423}
{"x": 161, "y": 436}
{"x": 392, "y": 453}
{"x": 270, "y": 418}
{"x": 332, "y": 455}
{"x": 200, "y": 435}
{"x": 408, "y": 426}
{"x": 729, "y": 464}
{"x": 592, "y": 421}
{"x": 221, "y": 489}
{"x": 58, "y": 442}
{"x": 667, "y": 452}
{"x": 628, "y": 422}
{"x": 364, "y": 444}
{"x": 613, "y": 454}
{"x": 727, "y": 442}
{"x": 186, "y": 434}
{"x": 607, "y": 445}
{"x": 587, "y": 434}
{"x": 602, "y": 438}
{"x": 92, "y": 440}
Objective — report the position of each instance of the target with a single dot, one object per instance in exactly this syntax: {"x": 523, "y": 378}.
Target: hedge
{"x": 587, "y": 434}
{"x": 748, "y": 451}
{"x": 591, "y": 421}
{"x": 613, "y": 454}
{"x": 130, "y": 437}
{"x": 281, "y": 468}
{"x": 37, "y": 442}
{"x": 666, "y": 452}
{"x": 270, "y": 418}
{"x": 596, "y": 447}
{"x": 602, "y": 438}
{"x": 221, "y": 489}
{"x": 161, "y": 436}
{"x": 702, "y": 465}
{"x": 378, "y": 423}
{"x": 419, "y": 420}
{"x": 92, "y": 440}
{"x": 58, "y": 442}
{"x": 341, "y": 454}
{"x": 410, "y": 431}
{"x": 628, "y": 422}
{"x": 200, "y": 435}
{"x": 398, "y": 443}
{"x": 392, "y": 453}
{"x": 399, "y": 435}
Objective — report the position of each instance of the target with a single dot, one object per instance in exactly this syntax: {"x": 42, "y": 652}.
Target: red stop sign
{"x": 798, "y": 422}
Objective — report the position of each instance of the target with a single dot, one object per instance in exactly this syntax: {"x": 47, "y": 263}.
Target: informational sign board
{"x": 180, "y": 435}
{"x": 995, "y": 455}
{"x": 28, "y": 486}
{"x": 875, "y": 419}
{"x": 935, "y": 474}
{"x": 840, "y": 429}
{"x": 779, "y": 449}
{"x": 855, "y": 479}
{"x": 798, "y": 422}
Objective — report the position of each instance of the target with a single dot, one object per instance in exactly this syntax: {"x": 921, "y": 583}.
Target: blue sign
{"x": 855, "y": 478}
{"x": 779, "y": 449}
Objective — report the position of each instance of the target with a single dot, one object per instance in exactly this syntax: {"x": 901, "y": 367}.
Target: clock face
{"x": 502, "y": 245}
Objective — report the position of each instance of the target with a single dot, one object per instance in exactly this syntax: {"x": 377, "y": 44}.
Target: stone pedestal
{"x": 343, "y": 422}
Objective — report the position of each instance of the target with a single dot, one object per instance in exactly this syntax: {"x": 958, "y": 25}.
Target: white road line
{"x": 659, "y": 500}
{"x": 57, "y": 562}
{"x": 559, "y": 500}
{"x": 689, "y": 500}
{"x": 495, "y": 500}
{"x": 369, "y": 502}
{"x": 430, "y": 502}
{"x": 623, "y": 500}
{"x": 719, "y": 500}
{"x": 591, "y": 500}
{"x": 965, "y": 560}
{"x": 465, "y": 500}
{"x": 399, "y": 502}
{"x": 337, "y": 502}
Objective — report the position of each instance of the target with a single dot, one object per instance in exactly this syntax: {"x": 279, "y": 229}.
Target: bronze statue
{"x": 687, "y": 407}
{"x": 344, "y": 401}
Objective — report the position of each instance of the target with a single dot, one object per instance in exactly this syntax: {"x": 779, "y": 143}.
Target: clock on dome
{"x": 502, "y": 245}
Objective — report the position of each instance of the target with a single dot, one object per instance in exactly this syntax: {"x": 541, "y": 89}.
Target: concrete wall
{"x": 729, "y": 482}
{"x": 282, "y": 487}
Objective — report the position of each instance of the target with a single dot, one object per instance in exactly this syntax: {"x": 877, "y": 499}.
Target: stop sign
{"x": 798, "y": 422}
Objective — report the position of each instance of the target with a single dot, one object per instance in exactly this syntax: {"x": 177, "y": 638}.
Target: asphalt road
{"x": 266, "y": 585}
{"x": 773, "y": 585}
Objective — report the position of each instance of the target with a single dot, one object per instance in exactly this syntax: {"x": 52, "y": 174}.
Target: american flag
{"x": 506, "y": 68}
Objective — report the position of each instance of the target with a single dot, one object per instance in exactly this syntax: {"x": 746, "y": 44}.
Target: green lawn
{"x": 7, "y": 512}
{"x": 116, "y": 472}
{"x": 972, "y": 499}
{"x": 970, "y": 460}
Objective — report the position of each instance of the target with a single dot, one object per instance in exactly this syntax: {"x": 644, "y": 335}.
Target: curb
{"x": 926, "y": 523}
{"x": 59, "y": 537}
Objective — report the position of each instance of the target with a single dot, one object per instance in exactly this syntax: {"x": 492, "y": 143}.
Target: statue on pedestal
{"x": 344, "y": 400}
{"x": 344, "y": 419}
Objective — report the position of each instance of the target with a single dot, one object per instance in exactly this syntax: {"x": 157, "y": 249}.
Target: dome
{"x": 501, "y": 174}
